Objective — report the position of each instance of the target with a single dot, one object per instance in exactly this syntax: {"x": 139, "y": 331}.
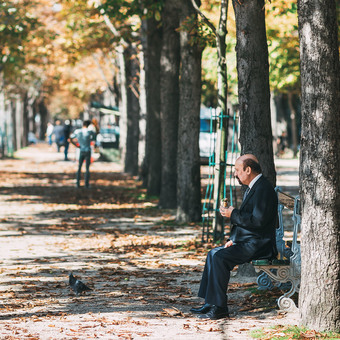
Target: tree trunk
{"x": 35, "y": 110}
{"x": 170, "y": 59}
{"x": 132, "y": 94}
{"x": 293, "y": 122}
{"x": 19, "y": 127}
{"x": 9, "y": 129}
{"x": 152, "y": 43}
{"x": 223, "y": 122}
{"x": 14, "y": 124}
{"x": 253, "y": 84}
{"x": 188, "y": 160}
{"x": 25, "y": 120}
{"x": 142, "y": 111}
{"x": 2, "y": 116}
{"x": 121, "y": 80}
{"x": 222, "y": 132}
{"x": 319, "y": 299}
{"x": 43, "y": 118}
{"x": 31, "y": 105}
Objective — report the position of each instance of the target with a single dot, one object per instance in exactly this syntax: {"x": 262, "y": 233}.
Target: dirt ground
{"x": 144, "y": 268}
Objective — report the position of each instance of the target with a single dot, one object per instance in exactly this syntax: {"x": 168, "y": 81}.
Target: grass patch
{"x": 291, "y": 332}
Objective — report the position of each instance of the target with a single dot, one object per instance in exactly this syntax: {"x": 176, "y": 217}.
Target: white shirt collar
{"x": 251, "y": 184}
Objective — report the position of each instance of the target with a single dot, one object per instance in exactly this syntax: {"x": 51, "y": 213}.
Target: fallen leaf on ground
{"x": 172, "y": 312}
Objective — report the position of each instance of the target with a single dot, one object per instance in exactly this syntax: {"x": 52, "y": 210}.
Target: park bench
{"x": 286, "y": 269}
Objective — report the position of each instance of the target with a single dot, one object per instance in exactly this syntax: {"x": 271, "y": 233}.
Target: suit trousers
{"x": 219, "y": 262}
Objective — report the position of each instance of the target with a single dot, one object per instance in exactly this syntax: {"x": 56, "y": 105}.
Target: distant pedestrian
{"x": 49, "y": 132}
{"x": 82, "y": 138}
{"x": 67, "y": 133}
{"x": 282, "y": 144}
{"x": 59, "y": 137}
{"x": 94, "y": 126}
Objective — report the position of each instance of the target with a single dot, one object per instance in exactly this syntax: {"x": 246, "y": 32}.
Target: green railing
{"x": 210, "y": 205}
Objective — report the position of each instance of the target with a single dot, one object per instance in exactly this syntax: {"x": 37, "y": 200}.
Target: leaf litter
{"x": 144, "y": 269}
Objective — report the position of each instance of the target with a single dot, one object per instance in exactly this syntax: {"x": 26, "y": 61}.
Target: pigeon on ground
{"x": 77, "y": 286}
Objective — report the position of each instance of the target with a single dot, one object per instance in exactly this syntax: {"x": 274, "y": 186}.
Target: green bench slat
{"x": 274, "y": 262}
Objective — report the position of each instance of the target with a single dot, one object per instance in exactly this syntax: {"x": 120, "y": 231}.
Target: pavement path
{"x": 144, "y": 269}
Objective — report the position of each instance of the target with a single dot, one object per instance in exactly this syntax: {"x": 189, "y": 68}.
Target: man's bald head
{"x": 250, "y": 162}
{"x": 248, "y": 156}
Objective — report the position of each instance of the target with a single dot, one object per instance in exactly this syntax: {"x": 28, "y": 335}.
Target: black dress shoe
{"x": 215, "y": 313}
{"x": 201, "y": 310}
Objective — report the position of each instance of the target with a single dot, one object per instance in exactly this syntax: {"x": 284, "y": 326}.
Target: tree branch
{"x": 102, "y": 73}
{"x": 205, "y": 19}
{"x": 222, "y": 26}
{"x": 213, "y": 28}
{"x": 110, "y": 25}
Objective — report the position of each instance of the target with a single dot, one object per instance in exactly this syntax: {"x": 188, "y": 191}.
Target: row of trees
{"x": 146, "y": 52}
{"x": 159, "y": 44}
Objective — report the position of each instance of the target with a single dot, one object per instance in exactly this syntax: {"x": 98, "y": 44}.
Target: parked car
{"x": 108, "y": 137}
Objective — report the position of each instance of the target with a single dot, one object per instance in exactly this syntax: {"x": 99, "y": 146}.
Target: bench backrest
{"x": 286, "y": 201}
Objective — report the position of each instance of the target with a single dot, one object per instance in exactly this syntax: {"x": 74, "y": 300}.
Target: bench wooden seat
{"x": 287, "y": 267}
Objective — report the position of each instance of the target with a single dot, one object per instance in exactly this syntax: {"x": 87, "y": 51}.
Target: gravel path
{"x": 143, "y": 268}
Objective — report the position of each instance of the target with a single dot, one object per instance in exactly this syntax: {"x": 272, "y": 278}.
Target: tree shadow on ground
{"x": 138, "y": 261}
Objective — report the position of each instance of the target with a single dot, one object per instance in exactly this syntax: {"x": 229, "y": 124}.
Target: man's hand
{"x": 226, "y": 212}
{"x": 228, "y": 244}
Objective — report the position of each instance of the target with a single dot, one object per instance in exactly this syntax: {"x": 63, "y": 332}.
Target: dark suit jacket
{"x": 256, "y": 221}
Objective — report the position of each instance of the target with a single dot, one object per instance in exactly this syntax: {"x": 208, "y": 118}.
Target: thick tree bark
{"x": 152, "y": 44}
{"x": 188, "y": 160}
{"x": 132, "y": 94}
{"x": 319, "y": 299}
{"x": 170, "y": 59}
{"x": 253, "y": 84}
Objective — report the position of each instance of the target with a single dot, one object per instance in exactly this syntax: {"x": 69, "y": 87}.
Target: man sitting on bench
{"x": 252, "y": 237}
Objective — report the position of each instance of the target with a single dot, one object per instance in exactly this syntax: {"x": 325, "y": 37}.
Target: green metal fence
{"x": 210, "y": 205}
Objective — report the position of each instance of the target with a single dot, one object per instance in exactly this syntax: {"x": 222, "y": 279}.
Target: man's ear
{"x": 248, "y": 170}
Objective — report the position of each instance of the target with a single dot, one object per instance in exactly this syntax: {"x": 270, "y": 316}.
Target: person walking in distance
{"x": 59, "y": 137}
{"x": 49, "y": 132}
{"x": 82, "y": 138}
{"x": 67, "y": 133}
{"x": 252, "y": 237}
